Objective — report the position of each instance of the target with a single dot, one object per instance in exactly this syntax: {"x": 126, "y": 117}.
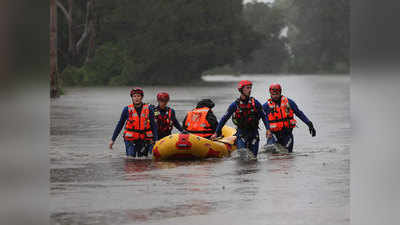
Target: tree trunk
{"x": 71, "y": 46}
{"x": 68, "y": 17}
{"x": 86, "y": 31}
{"x": 54, "y": 89}
{"x": 92, "y": 29}
{"x": 75, "y": 42}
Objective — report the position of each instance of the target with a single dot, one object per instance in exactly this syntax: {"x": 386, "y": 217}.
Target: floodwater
{"x": 90, "y": 184}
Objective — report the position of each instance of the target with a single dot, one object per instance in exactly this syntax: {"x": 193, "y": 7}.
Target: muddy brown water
{"x": 89, "y": 184}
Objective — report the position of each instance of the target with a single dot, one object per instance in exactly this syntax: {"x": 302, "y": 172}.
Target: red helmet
{"x": 163, "y": 96}
{"x": 275, "y": 88}
{"x": 243, "y": 83}
{"x": 137, "y": 90}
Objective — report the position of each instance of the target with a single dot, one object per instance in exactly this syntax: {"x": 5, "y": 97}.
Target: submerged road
{"x": 89, "y": 184}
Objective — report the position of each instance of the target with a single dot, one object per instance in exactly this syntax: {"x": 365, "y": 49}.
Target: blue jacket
{"x": 293, "y": 106}
{"x": 124, "y": 117}
{"x": 232, "y": 108}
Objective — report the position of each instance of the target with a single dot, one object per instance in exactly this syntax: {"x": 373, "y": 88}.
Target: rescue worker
{"x": 280, "y": 112}
{"x": 140, "y": 127}
{"x": 247, "y": 112}
{"x": 201, "y": 121}
{"x": 165, "y": 116}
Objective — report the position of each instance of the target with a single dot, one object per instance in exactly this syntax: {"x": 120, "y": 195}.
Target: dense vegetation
{"x": 318, "y": 35}
{"x": 124, "y": 42}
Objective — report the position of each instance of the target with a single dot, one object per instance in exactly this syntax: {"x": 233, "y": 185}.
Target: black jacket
{"x": 211, "y": 118}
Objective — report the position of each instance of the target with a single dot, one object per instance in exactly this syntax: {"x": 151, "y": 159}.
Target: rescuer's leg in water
{"x": 130, "y": 148}
{"x": 250, "y": 142}
{"x": 280, "y": 112}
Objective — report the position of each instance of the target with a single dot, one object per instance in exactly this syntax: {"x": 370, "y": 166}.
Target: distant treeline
{"x": 125, "y": 42}
{"x": 298, "y": 36}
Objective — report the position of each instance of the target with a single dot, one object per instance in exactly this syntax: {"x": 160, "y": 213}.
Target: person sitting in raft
{"x": 201, "y": 121}
{"x": 165, "y": 116}
{"x": 140, "y": 127}
{"x": 280, "y": 111}
{"x": 247, "y": 112}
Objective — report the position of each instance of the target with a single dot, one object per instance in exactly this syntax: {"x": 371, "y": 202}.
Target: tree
{"x": 318, "y": 34}
{"x": 166, "y": 41}
{"x": 75, "y": 45}
{"x": 53, "y": 50}
{"x": 272, "y": 54}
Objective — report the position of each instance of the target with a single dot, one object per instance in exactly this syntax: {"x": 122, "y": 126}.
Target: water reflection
{"x": 195, "y": 207}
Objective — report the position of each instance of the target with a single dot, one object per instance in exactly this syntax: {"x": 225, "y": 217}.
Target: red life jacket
{"x": 197, "y": 123}
{"x": 164, "y": 122}
{"x": 138, "y": 127}
{"x": 280, "y": 116}
{"x": 246, "y": 115}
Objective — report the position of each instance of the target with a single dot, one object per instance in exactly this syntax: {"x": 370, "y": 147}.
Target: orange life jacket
{"x": 138, "y": 127}
{"x": 197, "y": 123}
{"x": 280, "y": 116}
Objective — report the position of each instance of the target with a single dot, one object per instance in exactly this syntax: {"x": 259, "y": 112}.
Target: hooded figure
{"x": 201, "y": 120}
{"x": 206, "y": 103}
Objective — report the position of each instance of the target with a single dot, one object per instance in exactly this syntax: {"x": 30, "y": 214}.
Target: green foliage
{"x": 117, "y": 81}
{"x": 153, "y": 41}
{"x": 72, "y": 76}
{"x": 175, "y": 41}
{"x": 318, "y": 34}
{"x": 272, "y": 55}
{"x": 65, "y": 57}
{"x": 106, "y": 64}
{"x": 108, "y": 60}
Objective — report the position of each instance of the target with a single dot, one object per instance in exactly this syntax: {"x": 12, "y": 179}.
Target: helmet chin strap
{"x": 245, "y": 96}
{"x": 277, "y": 99}
{"x": 140, "y": 103}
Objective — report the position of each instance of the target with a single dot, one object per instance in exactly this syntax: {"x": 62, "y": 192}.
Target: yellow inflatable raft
{"x": 190, "y": 146}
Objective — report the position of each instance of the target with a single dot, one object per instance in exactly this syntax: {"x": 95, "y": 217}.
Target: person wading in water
{"x": 247, "y": 112}
{"x": 140, "y": 131}
{"x": 280, "y": 112}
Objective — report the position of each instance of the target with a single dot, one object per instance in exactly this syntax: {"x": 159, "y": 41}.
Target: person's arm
{"x": 298, "y": 112}
{"x": 266, "y": 109}
{"x": 177, "y": 125}
{"x": 261, "y": 114}
{"x": 153, "y": 124}
{"x": 212, "y": 120}
{"x": 121, "y": 122}
{"x": 225, "y": 118}
{"x": 184, "y": 123}
{"x": 302, "y": 116}
{"x": 120, "y": 125}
